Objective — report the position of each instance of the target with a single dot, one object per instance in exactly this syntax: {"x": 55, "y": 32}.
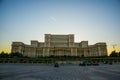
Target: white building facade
{"x": 59, "y": 45}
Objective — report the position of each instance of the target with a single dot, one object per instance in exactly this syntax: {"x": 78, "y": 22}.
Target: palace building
{"x": 59, "y": 45}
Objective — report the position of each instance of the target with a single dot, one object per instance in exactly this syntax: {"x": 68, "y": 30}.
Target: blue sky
{"x": 92, "y": 20}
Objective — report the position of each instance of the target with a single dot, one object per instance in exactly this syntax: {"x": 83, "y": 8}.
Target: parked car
{"x": 110, "y": 63}
{"x": 82, "y": 64}
{"x": 88, "y": 63}
{"x": 95, "y": 64}
{"x": 56, "y": 65}
{"x": 105, "y": 62}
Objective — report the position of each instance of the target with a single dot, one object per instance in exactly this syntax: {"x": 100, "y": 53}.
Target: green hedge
{"x": 54, "y": 59}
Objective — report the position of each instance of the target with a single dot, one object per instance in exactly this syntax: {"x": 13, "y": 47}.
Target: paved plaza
{"x": 64, "y": 72}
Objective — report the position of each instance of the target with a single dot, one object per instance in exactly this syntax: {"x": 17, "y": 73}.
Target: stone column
{"x": 73, "y": 51}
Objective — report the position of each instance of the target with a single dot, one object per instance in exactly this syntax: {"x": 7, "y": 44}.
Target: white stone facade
{"x": 60, "y": 45}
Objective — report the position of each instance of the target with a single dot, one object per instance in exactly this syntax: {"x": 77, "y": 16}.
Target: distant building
{"x": 60, "y": 45}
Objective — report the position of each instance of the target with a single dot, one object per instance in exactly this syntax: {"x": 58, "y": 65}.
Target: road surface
{"x": 64, "y": 72}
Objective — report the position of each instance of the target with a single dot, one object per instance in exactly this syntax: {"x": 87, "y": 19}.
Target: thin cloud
{"x": 53, "y": 18}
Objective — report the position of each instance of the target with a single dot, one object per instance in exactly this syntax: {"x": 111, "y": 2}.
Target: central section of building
{"x": 59, "y": 40}
{"x": 60, "y": 45}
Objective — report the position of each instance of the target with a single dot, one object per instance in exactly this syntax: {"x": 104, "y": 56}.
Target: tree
{"x": 17, "y": 54}
{"x": 119, "y": 54}
{"x": 4, "y": 55}
{"x": 114, "y": 54}
{"x": 82, "y": 55}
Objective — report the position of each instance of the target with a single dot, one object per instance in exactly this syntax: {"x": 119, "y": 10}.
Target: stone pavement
{"x": 64, "y": 72}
